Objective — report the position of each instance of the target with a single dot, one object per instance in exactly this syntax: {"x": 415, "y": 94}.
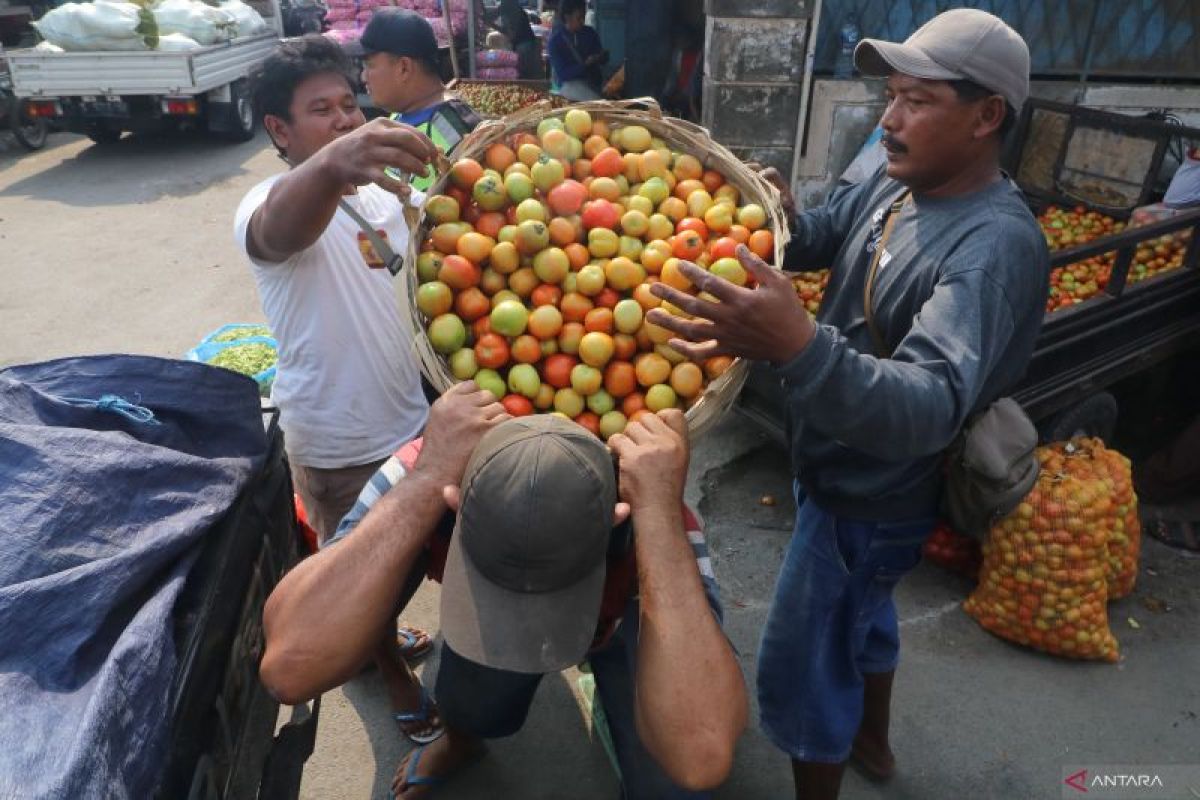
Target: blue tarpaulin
{"x": 112, "y": 470}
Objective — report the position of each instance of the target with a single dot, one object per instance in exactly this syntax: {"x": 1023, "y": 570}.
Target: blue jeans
{"x": 832, "y": 621}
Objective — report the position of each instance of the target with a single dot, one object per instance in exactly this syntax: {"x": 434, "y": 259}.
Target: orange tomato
{"x": 712, "y": 180}
{"x": 562, "y": 231}
{"x": 577, "y": 254}
{"x": 465, "y": 172}
{"x": 625, "y": 346}
{"x": 471, "y": 304}
{"x": 607, "y": 163}
{"x": 458, "y": 273}
{"x": 499, "y": 157}
{"x": 599, "y": 319}
{"x": 762, "y": 244}
{"x": 545, "y": 322}
{"x": 475, "y": 247}
{"x": 692, "y": 224}
{"x": 608, "y": 298}
{"x": 620, "y": 379}
{"x": 725, "y": 247}
{"x": 546, "y": 294}
{"x": 575, "y": 306}
{"x": 687, "y": 245}
{"x": 526, "y": 349}
{"x": 739, "y": 233}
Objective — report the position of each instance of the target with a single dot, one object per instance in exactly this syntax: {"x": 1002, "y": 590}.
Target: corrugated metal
{"x": 1128, "y": 38}
{"x": 73, "y": 74}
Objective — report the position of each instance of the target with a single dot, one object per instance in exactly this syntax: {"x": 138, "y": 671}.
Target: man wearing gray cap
{"x": 539, "y": 572}
{"x": 939, "y": 276}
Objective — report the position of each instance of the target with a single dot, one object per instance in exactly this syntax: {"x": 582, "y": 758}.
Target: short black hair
{"x": 293, "y": 62}
{"x": 568, "y": 7}
{"x": 970, "y": 91}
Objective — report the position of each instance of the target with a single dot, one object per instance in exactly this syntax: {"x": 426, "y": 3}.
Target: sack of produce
{"x": 254, "y": 356}
{"x": 196, "y": 20}
{"x": 498, "y": 73}
{"x": 530, "y": 267}
{"x": 176, "y": 43}
{"x": 1124, "y": 526}
{"x": 1046, "y": 567}
{"x": 496, "y": 58}
{"x": 248, "y": 21}
{"x": 99, "y": 25}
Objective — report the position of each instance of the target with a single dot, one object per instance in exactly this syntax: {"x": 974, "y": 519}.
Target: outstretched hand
{"x": 766, "y": 323}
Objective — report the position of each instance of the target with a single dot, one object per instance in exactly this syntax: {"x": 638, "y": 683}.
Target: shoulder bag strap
{"x": 394, "y": 262}
{"x": 881, "y": 348}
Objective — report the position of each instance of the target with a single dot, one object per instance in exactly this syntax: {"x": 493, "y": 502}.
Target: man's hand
{"x": 766, "y": 323}
{"x": 360, "y": 157}
{"x": 457, "y": 421}
{"x": 772, "y": 176}
{"x": 652, "y": 458}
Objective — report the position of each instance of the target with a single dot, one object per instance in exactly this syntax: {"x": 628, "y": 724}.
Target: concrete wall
{"x": 753, "y": 67}
{"x": 844, "y": 112}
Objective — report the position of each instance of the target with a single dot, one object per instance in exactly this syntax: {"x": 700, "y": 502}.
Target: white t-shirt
{"x": 348, "y": 384}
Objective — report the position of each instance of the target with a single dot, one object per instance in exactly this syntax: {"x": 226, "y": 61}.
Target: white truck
{"x": 104, "y": 94}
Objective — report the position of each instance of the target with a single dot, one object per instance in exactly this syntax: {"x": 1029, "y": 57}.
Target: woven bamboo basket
{"x": 718, "y": 395}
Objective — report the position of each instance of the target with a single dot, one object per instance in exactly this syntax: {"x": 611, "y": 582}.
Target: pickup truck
{"x": 104, "y": 94}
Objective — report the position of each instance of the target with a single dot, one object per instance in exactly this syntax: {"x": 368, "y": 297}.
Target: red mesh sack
{"x": 1044, "y": 581}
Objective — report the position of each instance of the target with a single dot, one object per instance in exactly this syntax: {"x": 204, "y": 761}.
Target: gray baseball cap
{"x": 961, "y": 44}
{"x": 525, "y": 571}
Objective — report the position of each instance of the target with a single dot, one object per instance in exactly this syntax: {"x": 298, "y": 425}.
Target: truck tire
{"x": 30, "y": 131}
{"x": 1093, "y": 416}
{"x": 239, "y": 120}
{"x": 101, "y": 135}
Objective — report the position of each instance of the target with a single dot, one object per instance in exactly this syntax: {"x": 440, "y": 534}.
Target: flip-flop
{"x": 421, "y": 715}
{"x": 411, "y": 778}
{"x": 410, "y": 651}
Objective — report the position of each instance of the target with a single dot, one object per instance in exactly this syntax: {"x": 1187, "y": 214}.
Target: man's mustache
{"x": 893, "y": 145}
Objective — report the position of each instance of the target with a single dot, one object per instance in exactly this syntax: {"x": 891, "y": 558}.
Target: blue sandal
{"x": 406, "y": 640}
{"x": 411, "y": 778}
{"x": 421, "y": 716}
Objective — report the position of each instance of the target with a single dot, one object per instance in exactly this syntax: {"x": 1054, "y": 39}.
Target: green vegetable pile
{"x": 248, "y": 359}
{"x": 242, "y": 332}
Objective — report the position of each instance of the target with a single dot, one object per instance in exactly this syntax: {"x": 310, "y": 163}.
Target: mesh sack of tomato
{"x": 535, "y": 251}
{"x": 1125, "y": 532}
{"x": 954, "y": 551}
{"x": 1045, "y": 576}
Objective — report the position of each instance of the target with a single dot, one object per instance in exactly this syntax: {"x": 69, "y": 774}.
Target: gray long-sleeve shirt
{"x": 959, "y": 296}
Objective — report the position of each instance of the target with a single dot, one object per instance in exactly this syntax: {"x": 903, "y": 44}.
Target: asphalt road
{"x": 128, "y": 248}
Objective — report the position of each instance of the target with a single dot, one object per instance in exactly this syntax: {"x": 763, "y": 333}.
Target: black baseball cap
{"x": 400, "y": 32}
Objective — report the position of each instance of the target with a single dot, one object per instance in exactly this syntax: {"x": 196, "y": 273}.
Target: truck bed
{"x": 38, "y": 74}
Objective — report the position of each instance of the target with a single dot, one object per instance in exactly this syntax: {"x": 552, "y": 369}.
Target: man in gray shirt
{"x": 958, "y": 277}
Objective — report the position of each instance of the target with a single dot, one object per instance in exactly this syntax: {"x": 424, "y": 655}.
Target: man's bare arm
{"x": 326, "y": 616}
{"x": 691, "y": 700}
{"x": 301, "y": 203}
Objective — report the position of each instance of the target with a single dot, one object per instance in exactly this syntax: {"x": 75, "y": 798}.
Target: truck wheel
{"x": 30, "y": 131}
{"x": 240, "y": 115}
{"x": 1093, "y": 416}
{"x": 103, "y": 135}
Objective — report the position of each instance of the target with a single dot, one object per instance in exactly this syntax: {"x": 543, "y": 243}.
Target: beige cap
{"x": 961, "y": 44}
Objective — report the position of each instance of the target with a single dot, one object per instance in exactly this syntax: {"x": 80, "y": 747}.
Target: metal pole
{"x": 471, "y": 37}
{"x": 805, "y": 90}
{"x": 450, "y": 33}
{"x": 1087, "y": 54}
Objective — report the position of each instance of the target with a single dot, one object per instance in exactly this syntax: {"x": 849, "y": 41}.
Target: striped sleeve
{"x": 380, "y": 483}
{"x": 695, "y": 535}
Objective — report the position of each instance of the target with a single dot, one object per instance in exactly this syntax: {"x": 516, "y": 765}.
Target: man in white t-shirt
{"x": 348, "y": 385}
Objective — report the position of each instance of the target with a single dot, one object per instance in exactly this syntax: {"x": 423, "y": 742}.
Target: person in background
{"x": 576, "y": 53}
{"x": 681, "y": 92}
{"x": 348, "y": 384}
{"x": 514, "y": 22}
{"x": 400, "y": 69}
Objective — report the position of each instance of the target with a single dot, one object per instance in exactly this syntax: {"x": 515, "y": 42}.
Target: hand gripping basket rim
{"x": 719, "y": 395}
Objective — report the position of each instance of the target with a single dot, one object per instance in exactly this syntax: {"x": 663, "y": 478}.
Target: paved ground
{"x": 128, "y": 248}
